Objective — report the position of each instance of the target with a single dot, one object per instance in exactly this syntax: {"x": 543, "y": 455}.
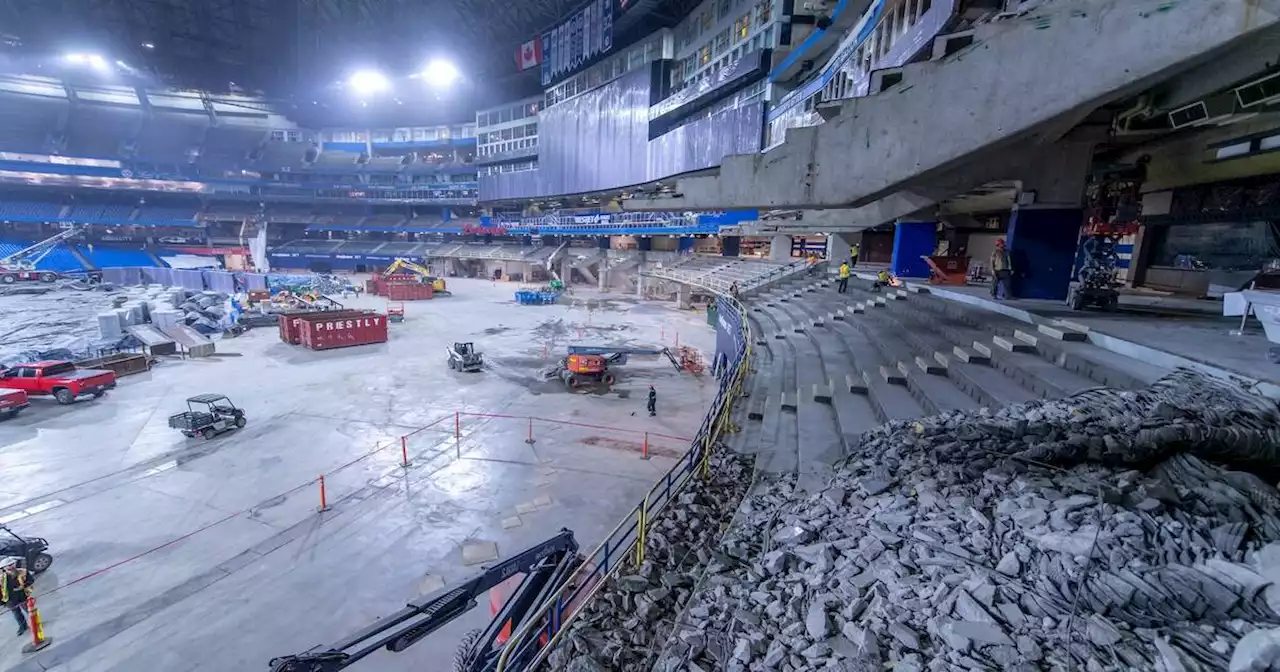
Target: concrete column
{"x": 684, "y": 296}
{"x": 780, "y": 248}
{"x": 1044, "y": 236}
{"x": 911, "y": 242}
{"x": 730, "y": 245}
{"x": 839, "y": 246}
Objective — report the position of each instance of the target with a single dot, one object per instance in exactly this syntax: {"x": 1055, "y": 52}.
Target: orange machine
{"x": 579, "y": 370}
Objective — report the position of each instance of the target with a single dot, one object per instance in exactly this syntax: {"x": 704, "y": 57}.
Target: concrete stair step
{"x": 1062, "y": 333}
{"x": 1012, "y": 344}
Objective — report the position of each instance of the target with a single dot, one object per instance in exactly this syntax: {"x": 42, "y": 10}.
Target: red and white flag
{"x": 530, "y": 54}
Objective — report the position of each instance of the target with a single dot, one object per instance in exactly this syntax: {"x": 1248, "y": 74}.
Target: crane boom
{"x": 545, "y": 567}
{"x": 28, "y": 258}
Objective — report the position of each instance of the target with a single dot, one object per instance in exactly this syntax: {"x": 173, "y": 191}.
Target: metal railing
{"x": 625, "y": 544}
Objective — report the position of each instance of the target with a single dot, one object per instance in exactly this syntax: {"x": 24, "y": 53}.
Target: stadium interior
{"x": 598, "y": 335}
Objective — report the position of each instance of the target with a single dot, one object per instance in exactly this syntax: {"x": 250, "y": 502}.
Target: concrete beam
{"x": 1011, "y": 85}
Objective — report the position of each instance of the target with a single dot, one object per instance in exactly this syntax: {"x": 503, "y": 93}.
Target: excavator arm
{"x": 545, "y": 566}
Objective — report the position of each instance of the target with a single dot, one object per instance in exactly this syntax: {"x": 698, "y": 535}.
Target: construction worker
{"x": 1001, "y": 271}
{"x": 653, "y": 401}
{"x": 844, "y": 278}
{"x": 15, "y": 587}
{"x": 853, "y": 255}
{"x": 883, "y": 279}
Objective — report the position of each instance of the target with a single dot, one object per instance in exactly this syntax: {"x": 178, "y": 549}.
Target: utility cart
{"x": 208, "y": 415}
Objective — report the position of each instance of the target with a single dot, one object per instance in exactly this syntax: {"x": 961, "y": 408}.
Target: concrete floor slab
{"x": 178, "y": 554}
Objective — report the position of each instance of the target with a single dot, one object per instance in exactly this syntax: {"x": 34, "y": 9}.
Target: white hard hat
{"x": 8, "y": 562}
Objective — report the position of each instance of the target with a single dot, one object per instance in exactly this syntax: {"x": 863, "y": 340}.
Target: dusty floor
{"x": 179, "y": 554}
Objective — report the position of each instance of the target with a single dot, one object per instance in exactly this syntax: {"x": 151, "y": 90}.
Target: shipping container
{"x": 289, "y": 321}
{"x": 410, "y": 291}
{"x": 342, "y": 331}
{"x": 122, "y": 363}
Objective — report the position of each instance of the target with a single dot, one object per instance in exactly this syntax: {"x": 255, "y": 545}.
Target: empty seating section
{"x": 27, "y": 123}
{"x": 171, "y": 136}
{"x": 60, "y": 259}
{"x": 183, "y": 216}
{"x": 384, "y": 164}
{"x": 227, "y": 148}
{"x": 230, "y": 211}
{"x": 108, "y": 257}
{"x": 833, "y": 365}
{"x": 30, "y": 210}
{"x": 116, "y": 213}
{"x": 385, "y": 220}
{"x": 340, "y": 219}
{"x": 95, "y": 130}
{"x": 330, "y": 159}
{"x": 402, "y": 249}
{"x": 426, "y": 221}
{"x": 290, "y": 213}
{"x": 720, "y": 273}
{"x": 278, "y": 156}
{"x": 314, "y": 246}
{"x": 85, "y": 213}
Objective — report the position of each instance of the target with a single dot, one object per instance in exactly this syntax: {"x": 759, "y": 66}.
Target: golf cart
{"x": 463, "y": 357}
{"x": 30, "y": 549}
{"x": 216, "y": 415}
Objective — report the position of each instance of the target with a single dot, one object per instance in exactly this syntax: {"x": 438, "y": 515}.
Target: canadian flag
{"x": 530, "y": 54}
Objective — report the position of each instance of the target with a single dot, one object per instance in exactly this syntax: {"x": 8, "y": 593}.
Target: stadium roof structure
{"x": 269, "y": 44}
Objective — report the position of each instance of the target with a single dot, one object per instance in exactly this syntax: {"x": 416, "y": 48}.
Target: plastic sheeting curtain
{"x": 258, "y": 249}
{"x": 600, "y": 140}
{"x": 703, "y": 143}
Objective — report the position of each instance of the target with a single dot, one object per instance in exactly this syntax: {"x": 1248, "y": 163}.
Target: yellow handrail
{"x": 733, "y": 391}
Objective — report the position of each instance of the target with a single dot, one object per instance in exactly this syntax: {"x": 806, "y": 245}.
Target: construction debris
{"x": 1110, "y": 530}
{"x": 1104, "y": 531}
{"x": 623, "y": 627}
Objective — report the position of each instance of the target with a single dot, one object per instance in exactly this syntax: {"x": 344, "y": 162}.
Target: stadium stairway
{"x": 844, "y": 363}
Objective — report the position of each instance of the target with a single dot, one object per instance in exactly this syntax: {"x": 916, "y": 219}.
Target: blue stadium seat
{"x": 181, "y": 216}
{"x": 110, "y": 257}
{"x": 30, "y": 210}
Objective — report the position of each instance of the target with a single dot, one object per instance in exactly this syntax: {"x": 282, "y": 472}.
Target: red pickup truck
{"x": 61, "y": 379}
{"x": 11, "y": 401}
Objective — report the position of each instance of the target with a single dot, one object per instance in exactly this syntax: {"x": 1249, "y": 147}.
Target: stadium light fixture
{"x": 440, "y": 74}
{"x": 368, "y": 82}
{"x": 93, "y": 61}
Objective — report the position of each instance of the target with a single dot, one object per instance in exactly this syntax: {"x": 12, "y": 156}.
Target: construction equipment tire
{"x": 241, "y": 422}
{"x": 465, "y": 654}
{"x": 608, "y": 379}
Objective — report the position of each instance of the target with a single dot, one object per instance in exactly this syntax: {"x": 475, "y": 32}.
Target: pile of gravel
{"x": 624, "y": 626}
{"x": 1111, "y": 530}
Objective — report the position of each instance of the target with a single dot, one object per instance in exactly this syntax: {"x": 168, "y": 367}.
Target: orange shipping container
{"x": 343, "y": 331}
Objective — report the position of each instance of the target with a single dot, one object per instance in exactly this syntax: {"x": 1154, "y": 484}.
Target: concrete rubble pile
{"x": 1111, "y": 530}
{"x": 623, "y": 626}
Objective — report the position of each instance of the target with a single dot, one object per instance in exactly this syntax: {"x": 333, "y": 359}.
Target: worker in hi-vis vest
{"x": 853, "y": 255}
{"x": 844, "y": 278}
